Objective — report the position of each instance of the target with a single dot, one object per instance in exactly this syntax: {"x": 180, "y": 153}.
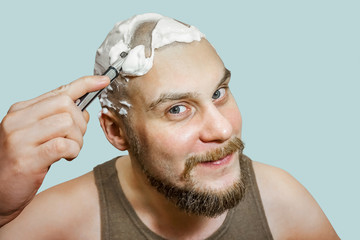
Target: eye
{"x": 178, "y": 109}
{"x": 218, "y": 93}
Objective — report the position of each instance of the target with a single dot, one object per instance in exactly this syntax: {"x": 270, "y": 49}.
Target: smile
{"x": 221, "y": 162}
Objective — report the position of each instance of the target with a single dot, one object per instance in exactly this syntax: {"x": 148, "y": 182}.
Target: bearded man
{"x": 185, "y": 176}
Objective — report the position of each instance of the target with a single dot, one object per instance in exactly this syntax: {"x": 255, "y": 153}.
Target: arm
{"x": 35, "y": 134}
{"x": 291, "y": 211}
{"x": 67, "y": 211}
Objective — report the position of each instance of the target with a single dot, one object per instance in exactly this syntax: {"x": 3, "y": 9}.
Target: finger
{"x": 75, "y": 90}
{"x": 43, "y": 109}
{"x": 60, "y": 125}
{"x": 86, "y": 116}
{"x": 83, "y": 85}
{"x": 27, "y": 142}
{"x": 54, "y": 150}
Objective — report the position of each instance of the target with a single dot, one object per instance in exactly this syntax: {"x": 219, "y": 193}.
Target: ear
{"x": 112, "y": 129}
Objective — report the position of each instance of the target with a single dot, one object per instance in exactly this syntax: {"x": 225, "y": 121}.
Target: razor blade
{"x": 112, "y": 72}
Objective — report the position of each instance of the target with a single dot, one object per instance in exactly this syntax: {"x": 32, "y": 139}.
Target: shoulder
{"x": 67, "y": 211}
{"x": 290, "y": 209}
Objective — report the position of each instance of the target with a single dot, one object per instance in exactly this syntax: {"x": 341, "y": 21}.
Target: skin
{"x": 174, "y": 137}
{"x": 47, "y": 128}
{"x": 202, "y": 124}
{"x": 71, "y": 210}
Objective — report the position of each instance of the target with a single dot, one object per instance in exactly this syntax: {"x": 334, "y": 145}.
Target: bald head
{"x": 139, "y": 36}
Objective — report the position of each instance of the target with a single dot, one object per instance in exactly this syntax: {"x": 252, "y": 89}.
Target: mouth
{"x": 220, "y": 162}
{"x": 218, "y": 158}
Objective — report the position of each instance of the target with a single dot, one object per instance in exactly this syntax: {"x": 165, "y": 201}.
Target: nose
{"x": 216, "y": 127}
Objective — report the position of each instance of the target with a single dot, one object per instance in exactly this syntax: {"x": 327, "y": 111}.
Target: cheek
{"x": 166, "y": 152}
{"x": 172, "y": 141}
{"x": 234, "y": 117}
{"x": 232, "y": 113}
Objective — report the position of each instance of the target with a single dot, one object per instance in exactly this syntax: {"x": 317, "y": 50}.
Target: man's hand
{"x": 36, "y": 133}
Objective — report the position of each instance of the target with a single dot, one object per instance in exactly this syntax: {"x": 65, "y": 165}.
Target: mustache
{"x": 233, "y": 145}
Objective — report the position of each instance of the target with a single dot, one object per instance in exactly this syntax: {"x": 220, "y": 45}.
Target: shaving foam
{"x": 102, "y": 111}
{"x": 123, "y": 111}
{"x": 121, "y": 39}
{"x": 125, "y": 103}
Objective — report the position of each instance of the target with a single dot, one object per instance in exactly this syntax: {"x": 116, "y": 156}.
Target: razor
{"x": 112, "y": 72}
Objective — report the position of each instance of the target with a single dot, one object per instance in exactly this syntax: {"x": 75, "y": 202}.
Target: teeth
{"x": 216, "y": 162}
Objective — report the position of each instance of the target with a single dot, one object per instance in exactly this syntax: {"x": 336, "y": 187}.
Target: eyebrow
{"x": 227, "y": 76}
{"x": 166, "y": 97}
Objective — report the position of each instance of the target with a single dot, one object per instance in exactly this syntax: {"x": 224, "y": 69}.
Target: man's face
{"x": 182, "y": 108}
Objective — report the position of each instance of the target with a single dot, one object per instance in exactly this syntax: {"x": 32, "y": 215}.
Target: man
{"x": 185, "y": 176}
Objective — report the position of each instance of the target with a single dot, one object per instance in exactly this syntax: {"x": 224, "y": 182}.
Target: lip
{"x": 219, "y": 163}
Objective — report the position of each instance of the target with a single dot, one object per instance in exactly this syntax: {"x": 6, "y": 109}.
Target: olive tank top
{"x": 119, "y": 220}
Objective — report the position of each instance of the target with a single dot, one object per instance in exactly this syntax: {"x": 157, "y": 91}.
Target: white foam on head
{"x": 123, "y": 111}
{"x": 102, "y": 111}
{"x": 166, "y": 31}
{"x": 105, "y": 110}
{"x": 125, "y": 103}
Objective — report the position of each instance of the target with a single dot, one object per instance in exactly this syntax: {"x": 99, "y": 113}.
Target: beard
{"x": 189, "y": 199}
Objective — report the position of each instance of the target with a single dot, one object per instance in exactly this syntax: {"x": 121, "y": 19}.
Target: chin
{"x": 218, "y": 184}
{"x": 217, "y": 180}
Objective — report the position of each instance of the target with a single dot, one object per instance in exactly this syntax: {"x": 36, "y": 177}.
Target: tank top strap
{"x": 249, "y": 220}
{"x": 118, "y": 218}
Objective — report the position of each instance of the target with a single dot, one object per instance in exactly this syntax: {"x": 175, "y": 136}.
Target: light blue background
{"x": 295, "y": 68}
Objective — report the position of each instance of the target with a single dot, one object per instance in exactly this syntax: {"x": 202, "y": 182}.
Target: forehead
{"x": 180, "y": 67}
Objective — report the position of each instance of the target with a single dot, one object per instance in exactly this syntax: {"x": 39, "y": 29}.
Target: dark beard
{"x": 192, "y": 201}
{"x": 201, "y": 203}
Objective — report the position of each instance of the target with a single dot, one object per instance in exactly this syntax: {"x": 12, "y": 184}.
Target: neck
{"x": 158, "y": 213}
